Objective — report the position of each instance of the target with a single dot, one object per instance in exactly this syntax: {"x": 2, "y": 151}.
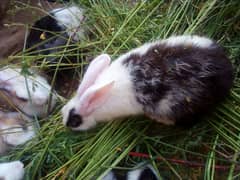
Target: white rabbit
{"x": 173, "y": 81}
{"x": 30, "y": 94}
{"x": 15, "y": 129}
{"x": 11, "y": 170}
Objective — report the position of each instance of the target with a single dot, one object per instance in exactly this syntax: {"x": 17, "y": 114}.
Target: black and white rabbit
{"x": 11, "y": 170}
{"x": 143, "y": 173}
{"x": 30, "y": 94}
{"x": 172, "y": 81}
{"x": 50, "y": 34}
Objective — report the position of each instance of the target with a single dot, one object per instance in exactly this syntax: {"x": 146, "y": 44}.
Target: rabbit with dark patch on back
{"x": 173, "y": 81}
{"x": 30, "y": 94}
{"x": 57, "y": 32}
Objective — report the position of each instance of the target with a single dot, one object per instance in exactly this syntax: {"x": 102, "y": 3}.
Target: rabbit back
{"x": 175, "y": 83}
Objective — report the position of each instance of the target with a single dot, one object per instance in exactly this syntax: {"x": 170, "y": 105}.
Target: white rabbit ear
{"x": 94, "y": 98}
{"x": 95, "y": 68}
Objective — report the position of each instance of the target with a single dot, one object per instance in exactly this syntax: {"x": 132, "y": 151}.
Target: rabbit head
{"x": 29, "y": 94}
{"x": 104, "y": 93}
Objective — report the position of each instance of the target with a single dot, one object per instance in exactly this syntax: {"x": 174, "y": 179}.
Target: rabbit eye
{"x": 23, "y": 99}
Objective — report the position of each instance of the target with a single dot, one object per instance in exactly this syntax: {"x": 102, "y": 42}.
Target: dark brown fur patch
{"x": 193, "y": 78}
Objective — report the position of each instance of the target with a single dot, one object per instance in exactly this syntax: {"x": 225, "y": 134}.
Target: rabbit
{"x": 15, "y": 129}
{"x": 172, "y": 81}
{"x": 30, "y": 94}
{"x": 11, "y": 170}
{"x": 50, "y": 34}
{"x": 143, "y": 173}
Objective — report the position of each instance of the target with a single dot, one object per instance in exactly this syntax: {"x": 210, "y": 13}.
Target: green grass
{"x": 117, "y": 27}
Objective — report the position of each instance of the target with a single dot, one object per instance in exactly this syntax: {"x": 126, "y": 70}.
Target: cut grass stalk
{"x": 210, "y": 164}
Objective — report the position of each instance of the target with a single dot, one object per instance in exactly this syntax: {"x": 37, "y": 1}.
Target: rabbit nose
{"x": 74, "y": 120}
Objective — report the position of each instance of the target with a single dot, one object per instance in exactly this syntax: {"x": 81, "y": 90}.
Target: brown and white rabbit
{"x": 172, "y": 81}
{"x": 11, "y": 170}
{"x": 15, "y": 129}
{"x": 30, "y": 94}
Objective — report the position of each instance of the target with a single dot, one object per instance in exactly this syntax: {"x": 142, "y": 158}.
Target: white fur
{"x": 12, "y": 170}
{"x": 165, "y": 108}
{"x": 121, "y": 99}
{"x": 142, "y": 49}
{"x": 72, "y": 18}
{"x": 189, "y": 40}
{"x": 165, "y": 105}
{"x": 35, "y": 89}
{"x": 109, "y": 176}
{"x": 135, "y": 174}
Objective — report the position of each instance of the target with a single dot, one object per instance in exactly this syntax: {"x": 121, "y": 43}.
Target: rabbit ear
{"x": 95, "y": 68}
{"x": 93, "y": 98}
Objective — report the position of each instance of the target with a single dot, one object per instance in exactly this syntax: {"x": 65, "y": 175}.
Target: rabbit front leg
{"x": 162, "y": 119}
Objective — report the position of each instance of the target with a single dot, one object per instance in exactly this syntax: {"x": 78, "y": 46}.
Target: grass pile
{"x": 208, "y": 150}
